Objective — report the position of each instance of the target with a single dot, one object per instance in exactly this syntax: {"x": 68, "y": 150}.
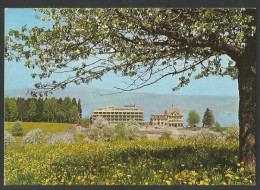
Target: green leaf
{"x": 27, "y": 63}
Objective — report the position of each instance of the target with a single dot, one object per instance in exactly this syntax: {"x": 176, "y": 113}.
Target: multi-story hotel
{"x": 170, "y": 118}
{"x": 116, "y": 115}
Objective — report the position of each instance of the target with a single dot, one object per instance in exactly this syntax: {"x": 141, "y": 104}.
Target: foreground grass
{"x": 46, "y": 127}
{"x": 148, "y": 162}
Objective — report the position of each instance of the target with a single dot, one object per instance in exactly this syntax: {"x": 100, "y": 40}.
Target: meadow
{"x": 44, "y": 126}
{"x": 128, "y": 162}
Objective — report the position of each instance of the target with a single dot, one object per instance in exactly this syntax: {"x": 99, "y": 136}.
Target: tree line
{"x": 65, "y": 110}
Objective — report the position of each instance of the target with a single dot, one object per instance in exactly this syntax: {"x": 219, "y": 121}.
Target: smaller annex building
{"x": 171, "y": 118}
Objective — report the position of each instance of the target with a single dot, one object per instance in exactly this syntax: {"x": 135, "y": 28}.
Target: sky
{"x": 17, "y": 76}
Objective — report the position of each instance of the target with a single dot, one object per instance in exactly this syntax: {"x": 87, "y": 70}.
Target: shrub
{"x": 232, "y": 133}
{"x": 120, "y": 132}
{"x": 100, "y": 122}
{"x": 61, "y": 138}
{"x": 17, "y": 129}
{"x": 94, "y": 134}
{"x": 96, "y": 131}
{"x": 202, "y": 134}
{"x": 132, "y": 128}
{"x": 206, "y": 134}
{"x": 217, "y": 127}
{"x": 8, "y": 138}
{"x": 105, "y": 133}
{"x": 102, "y": 131}
{"x": 165, "y": 136}
{"x": 33, "y": 137}
{"x": 108, "y": 133}
{"x": 85, "y": 122}
{"x": 128, "y": 131}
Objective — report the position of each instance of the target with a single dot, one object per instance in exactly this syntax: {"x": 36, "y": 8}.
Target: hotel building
{"x": 115, "y": 115}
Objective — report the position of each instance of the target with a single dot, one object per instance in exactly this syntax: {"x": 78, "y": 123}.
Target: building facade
{"x": 115, "y": 115}
{"x": 170, "y": 118}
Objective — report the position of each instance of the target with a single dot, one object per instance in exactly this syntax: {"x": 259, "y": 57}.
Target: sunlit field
{"x": 46, "y": 127}
{"x": 146, "y": 162}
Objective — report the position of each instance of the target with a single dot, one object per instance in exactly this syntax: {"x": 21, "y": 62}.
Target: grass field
{"x": 127, "y": 162}
{"x": 143, "y": 162}
{"x": 46, "y": 127}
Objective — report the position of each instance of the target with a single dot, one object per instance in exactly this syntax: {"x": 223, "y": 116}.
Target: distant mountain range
{"x": 225, "y": 108}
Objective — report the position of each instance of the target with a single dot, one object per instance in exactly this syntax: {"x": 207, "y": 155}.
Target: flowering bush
{"x": 132, "y": 128}
{"x": 128, "y": 131}
{"x": 100, "y": 130}
{"x": 203, "y": 134}
{"x": 61, "y": 138}
{"x": 33, "y": 137}
{"x": 207, "y": 134}
{"x": 8, "y": 138}
{"x": 93, "y": 134}
{"x": 232, "y": 133}
{"x": 108, "y": 133}
{"x": 100, "y": 122}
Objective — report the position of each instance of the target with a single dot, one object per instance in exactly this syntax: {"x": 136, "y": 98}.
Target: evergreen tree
{"x": 39, "y": 109}
{"x": 60, "y": 101}
{"x": 60, "y": 111}
{"x": 22, "y": 108}
{"x": 11, "y": 110}
{"x": 208, "y": 118}
{"x": 66, "y": 108}
{"x": 32, "y": 109}
{"x": 193, "y": 118}
{"x": 47, "y": 113}
{"x": 50, "y": 109}
{"x": 79, "y": 109}
{"x": 7, "y": 110}
{"x": 73, "y": 113}
{"x": 74, "y": 101}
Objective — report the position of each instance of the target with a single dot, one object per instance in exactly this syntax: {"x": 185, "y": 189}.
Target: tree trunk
{"x": 246, "y": 64}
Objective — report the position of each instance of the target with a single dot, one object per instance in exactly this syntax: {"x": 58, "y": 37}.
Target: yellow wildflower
{"x": 168, "y": 182}
{"x": 177, "y": 176}
{"x": 229, "y": 175}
